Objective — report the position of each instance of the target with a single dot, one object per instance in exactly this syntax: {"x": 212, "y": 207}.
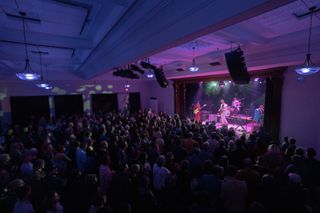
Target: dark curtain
{"x": 24, "y": 108}
{"x": 67, "y": 105}
{"x": 272, "y": 114}
{"x": 104, "y": 102}
{"x": 180, "y": 99}
{"x": 134, "y": 102}
{"x": 1, "y": 113}
{"x": 191, "y": 90}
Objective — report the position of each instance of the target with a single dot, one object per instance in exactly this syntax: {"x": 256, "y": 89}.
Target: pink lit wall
{"x": 300, "y": 113}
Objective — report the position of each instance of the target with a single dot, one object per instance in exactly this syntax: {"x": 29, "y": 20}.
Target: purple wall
{"x": 165, "y": 96}
{"x": 86, "y": 88}
{"x": 300, "y": 112}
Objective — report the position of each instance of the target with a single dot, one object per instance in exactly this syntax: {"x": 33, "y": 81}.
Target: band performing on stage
{"x": 231, "y": 115}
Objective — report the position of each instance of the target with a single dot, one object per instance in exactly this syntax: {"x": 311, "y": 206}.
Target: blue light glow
{"x": 27, "y": 76}
{"x": 307, "y": 70}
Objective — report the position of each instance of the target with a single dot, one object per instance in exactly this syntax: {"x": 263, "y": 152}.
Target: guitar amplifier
{"x": 204, "y": 115}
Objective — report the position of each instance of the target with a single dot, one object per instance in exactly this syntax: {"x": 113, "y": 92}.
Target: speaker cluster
{"x": 237, "y": 66}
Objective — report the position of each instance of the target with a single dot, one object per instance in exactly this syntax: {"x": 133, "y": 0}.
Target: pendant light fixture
{"x": 27, "y": 74}
{"x": 48, "y": 86}
{"x": 42, "y": 83}
{"x": 193, "y": 67}
{"x": 308, "y": 67}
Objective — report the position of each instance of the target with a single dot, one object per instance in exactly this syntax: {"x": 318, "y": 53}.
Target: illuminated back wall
{"x": 146, "y": 88}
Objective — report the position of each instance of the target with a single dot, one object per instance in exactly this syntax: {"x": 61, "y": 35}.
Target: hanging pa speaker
{"x": 161, "y": 78}
{"x": 237, "y": 67}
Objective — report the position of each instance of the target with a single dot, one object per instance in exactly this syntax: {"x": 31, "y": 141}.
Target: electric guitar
{"x": 197, "y": 110}
{"x": 225, "y": 110}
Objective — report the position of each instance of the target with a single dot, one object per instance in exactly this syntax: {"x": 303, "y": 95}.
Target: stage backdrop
{"x": 210, "y": 93}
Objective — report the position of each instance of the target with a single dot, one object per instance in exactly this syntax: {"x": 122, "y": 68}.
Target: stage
{"x": 240, "y": 123}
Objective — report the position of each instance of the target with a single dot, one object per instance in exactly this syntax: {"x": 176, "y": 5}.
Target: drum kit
{"x": 235, "y": 107}
{"x": 234, "y": 110}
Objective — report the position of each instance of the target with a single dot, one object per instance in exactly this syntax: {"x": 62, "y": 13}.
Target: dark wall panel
{"x": 24, "y": 107}
{"x": 272, "y": 112}
{"x": 134, "y": 102}
{"x": 66, "y": 105}
{"x": 104, "y": 102}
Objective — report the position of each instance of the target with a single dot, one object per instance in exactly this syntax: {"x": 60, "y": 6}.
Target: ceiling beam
{"x": 44, "y": 39}
{"x": 45, "y": 60}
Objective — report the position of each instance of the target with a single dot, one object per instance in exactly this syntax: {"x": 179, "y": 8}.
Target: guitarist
{"x": 223, "y": 112}
{"x": 196, "y": 111}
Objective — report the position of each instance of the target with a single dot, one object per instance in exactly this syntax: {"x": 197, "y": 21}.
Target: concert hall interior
{"x": 158, "y": 105}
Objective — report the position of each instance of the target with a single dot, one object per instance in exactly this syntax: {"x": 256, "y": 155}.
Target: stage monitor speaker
{"x": 161, "y": 78}
{"x": 237, "y": 67}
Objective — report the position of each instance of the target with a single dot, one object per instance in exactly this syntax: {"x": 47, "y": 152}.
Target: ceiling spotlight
{"x": 193, "y": 67}
{"x": 256, "y": 79}
{"x": 308, "y": 67}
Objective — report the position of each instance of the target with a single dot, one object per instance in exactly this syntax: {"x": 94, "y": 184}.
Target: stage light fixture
{"x": 150, "y": 74}
{"x": 256, "y": 79}
{"x": 221, "y": 84}
{"x": 147, "y": 65}
{"x": 136, "y": 68}
{"x": 126, "y": 73}
{"x": 309, "y": 68}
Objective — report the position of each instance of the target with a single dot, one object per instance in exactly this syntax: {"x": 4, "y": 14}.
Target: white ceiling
{"x": 87, "y": 38}
{"x": 275, "y": 38}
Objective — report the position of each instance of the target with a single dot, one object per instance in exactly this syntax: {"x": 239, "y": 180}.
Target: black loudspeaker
{"x": 161, "y": 78}
{"x": 237, "y": 67}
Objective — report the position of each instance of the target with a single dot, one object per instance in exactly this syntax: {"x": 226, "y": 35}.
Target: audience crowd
{"x": 118, "y": 162}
